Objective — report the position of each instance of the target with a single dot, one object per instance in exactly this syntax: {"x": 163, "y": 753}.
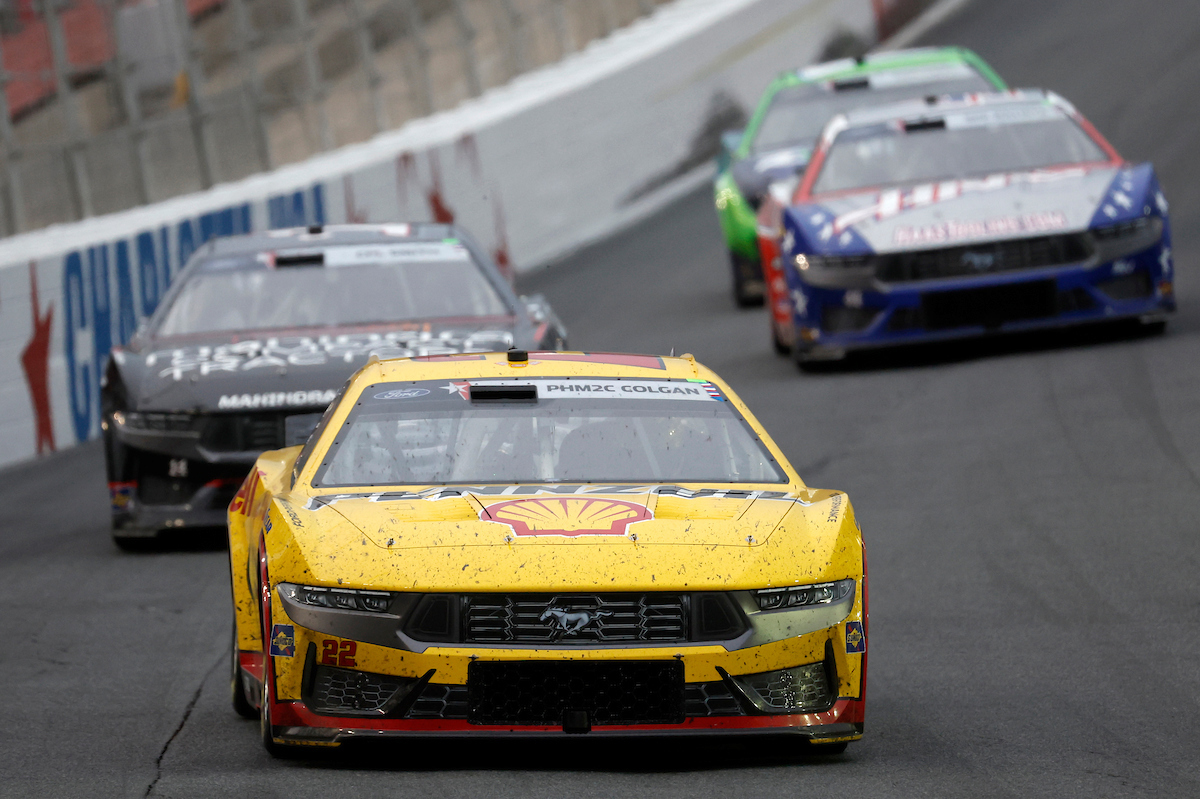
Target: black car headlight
{"x": 803, "y": 596}
{"x": 1126, "y": 238}
{"x": 338, "y": 598}
{"x": 153, "y": 421}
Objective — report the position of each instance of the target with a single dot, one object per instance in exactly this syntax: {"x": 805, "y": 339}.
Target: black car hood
{"x": 265, "y": 370}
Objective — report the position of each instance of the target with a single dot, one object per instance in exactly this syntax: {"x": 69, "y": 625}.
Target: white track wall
{"x": 558, "y": 158}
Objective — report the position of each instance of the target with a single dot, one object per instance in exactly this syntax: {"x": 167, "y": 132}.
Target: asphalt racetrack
{"x": 1030, "y": 506}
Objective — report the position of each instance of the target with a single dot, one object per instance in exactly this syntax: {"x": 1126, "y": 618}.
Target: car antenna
{"x": 672, "y": 352}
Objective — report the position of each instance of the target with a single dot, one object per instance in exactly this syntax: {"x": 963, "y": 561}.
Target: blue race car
{"x": 962, "y": 215}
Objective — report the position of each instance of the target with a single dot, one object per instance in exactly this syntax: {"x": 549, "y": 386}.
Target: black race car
{"x": 258, "y": 333}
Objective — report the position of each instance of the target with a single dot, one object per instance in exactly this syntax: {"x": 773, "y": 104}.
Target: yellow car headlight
{"x": 801, "y": 596}
{"x": 338, "y": 598}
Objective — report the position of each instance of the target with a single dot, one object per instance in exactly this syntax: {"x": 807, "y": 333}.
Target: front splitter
{"x": 295, "y": 723}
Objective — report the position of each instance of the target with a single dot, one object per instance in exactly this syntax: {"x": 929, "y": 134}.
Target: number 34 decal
{"x": 338, "y": 653}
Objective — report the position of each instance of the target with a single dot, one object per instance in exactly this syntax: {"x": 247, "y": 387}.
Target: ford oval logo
{"x": 402, "y": 393}
{"x": 979, "y": 261}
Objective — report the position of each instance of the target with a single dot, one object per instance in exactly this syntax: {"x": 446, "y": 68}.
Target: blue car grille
{"x": 983, "y": 259}
{"x": 990, "y": 306}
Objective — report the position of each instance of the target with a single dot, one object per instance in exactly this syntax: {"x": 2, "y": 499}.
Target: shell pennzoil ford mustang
{"x": 956, "y": 216}
{"x": 543, "y": 543}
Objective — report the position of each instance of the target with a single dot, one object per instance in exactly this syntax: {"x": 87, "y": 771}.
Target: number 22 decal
{"x": 338, "y": 653}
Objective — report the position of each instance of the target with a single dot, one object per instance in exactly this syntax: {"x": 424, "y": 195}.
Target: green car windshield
{"x": 797, "y": 114}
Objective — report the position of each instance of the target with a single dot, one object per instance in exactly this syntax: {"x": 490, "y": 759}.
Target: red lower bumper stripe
{"x": 295, "y": 714}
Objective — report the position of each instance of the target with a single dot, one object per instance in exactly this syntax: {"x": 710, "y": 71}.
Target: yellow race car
{"x": 543, "y": 543}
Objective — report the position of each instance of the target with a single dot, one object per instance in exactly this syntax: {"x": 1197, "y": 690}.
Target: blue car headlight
{"x": 838, "y": 262}
{"x": 1126, "y": 238}
{"x": 837, "y": 271}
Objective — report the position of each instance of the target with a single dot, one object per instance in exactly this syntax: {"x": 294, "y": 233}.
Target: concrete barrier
{"x": 556, "y": 159}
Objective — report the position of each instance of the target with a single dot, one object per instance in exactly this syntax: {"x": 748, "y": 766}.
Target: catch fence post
{"x": 566, "y": 42}
{"x": 197, "y": 106}
{"x": 516, "y": 28}
{"x": 14, "y": 198}
{"x": 467, "y": 35}
{"x": 312, "y": 71}
{"x": 416, "y": 30}
{"x": 366, "y": 57}
{"x": 73, "y": 149}
{"x": 135, "y": 130}
{"x": 608, "y": 16}
{"x": 245, "y": 38}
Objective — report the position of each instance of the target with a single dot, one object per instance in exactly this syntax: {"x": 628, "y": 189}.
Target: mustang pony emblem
{"x": 569, "y": 622}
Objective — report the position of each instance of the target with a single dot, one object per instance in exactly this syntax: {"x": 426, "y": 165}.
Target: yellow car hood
{"x": 743, "y": 519}
{"x": 625, "y": 541}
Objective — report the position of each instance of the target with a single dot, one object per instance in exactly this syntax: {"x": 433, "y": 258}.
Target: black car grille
{"x": 345, "y": 692}
{"x": 710, "y": 699}
{"x": 700, "y": 699}
{"x": 243, "y": 432}
{"x": 980, "y": 259}
{"x": 575, "y": 619}
{"x": 541, "y": 693}
{"x": 440, "y": 702}
{"x": 256, "y": 432}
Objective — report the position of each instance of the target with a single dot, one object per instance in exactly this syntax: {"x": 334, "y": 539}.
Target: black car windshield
{"x": 545, "y": 430}
{"x": 971, "y": 142}
{"x": 337, "y": 286}
{"x": 797, "y": 114}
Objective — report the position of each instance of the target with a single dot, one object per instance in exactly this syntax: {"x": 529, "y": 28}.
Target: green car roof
{"x": 849, "y": 68}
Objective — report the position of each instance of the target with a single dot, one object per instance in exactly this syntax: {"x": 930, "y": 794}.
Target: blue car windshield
{"x": 966, "y": 143}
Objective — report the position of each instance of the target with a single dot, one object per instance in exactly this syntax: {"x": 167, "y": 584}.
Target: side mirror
{"x": 730, "y": 141}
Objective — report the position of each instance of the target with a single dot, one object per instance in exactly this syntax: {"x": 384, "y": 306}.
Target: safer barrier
{"x": 557, "y": 158}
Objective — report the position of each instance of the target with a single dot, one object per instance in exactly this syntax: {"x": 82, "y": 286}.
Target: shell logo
{"x": 567, "y": 517}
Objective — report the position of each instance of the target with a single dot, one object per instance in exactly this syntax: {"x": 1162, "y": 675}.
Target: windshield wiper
{"x": 924, "y": 124}
{"x": 300, "y": 259}
{"x": 494, "y": 393}
{"x": 849, "y": 84}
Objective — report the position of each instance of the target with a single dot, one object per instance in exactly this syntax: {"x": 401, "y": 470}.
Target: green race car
{"x": 776, "y": 144}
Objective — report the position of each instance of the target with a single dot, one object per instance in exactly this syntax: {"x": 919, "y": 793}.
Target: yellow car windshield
{"x": 545, "y": 430}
